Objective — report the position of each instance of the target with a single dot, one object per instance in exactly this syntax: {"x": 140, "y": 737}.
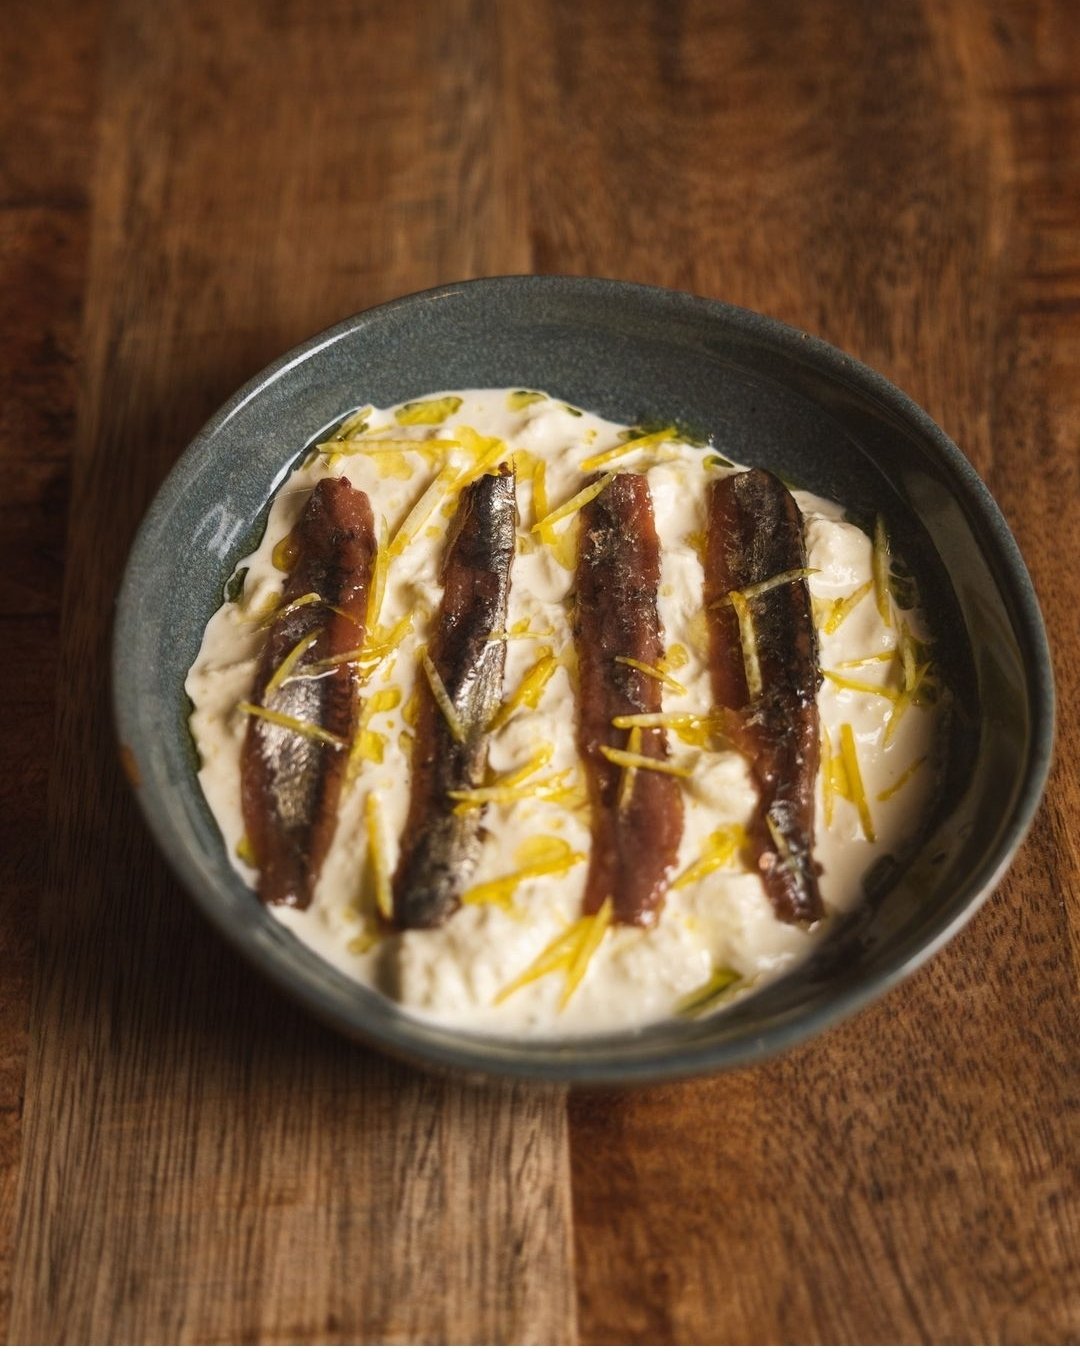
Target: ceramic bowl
{"x": 773, "y": 395}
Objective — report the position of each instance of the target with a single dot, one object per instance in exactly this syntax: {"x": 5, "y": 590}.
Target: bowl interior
{"x": 763, "y": 394}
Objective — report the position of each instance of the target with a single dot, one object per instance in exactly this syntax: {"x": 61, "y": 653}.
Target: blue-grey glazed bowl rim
{"x": 365, "y": 1017}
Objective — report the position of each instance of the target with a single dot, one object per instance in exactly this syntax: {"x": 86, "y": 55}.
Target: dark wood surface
{"x": 188, "y": 188}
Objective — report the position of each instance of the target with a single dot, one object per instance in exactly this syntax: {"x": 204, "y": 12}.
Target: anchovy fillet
{"x": 291, "y": 783}
{"x": 755, "y": 533}
{"x": 440, "y": 845}
{"x": 635, "y": 835}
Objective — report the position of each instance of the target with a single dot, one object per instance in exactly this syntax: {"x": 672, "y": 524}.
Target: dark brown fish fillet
{"x": 755, "y": 532}
{"x": 290, "y": 784}
{"x": 634, "y": 845}
{"x": 439, "y": 847}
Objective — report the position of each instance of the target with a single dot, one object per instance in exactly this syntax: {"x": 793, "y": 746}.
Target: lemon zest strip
{"x": 308, "y": 599}
{"x": 703, "y": 997}
{"x": 386, "y": 445}
{"x": 541, "y": 506}
{"x": 442, "y": 697}
{"x": 530, "y": 688}
{"x": 505, "y": 635}
{"x": 371, "y": 654}
{"x": 377, "y": 856}
{"x": 693, "y": 729}
{"x": 515, "y": 780}
{"x": 827, "y": 785}
{"x": 558, "y": 954}
{"x": 854, "y": 778}
{"x": 552, "y": 788}
{"x": 862, "y": 687}
{"x": 658, "y": 673}
{"x": 886, "y": 655}
{"x": 573, "y": 504}
{"x": 841, "y": 608}
{"x": 368, "y": 745}
{"x": 629, "y": 774}
{"x": 903, "y": 702}
{"x": 898, "y": 784}
{"x": 420, "y": 511}
{"x": 290, "y": 660}
{"x": 760, "y": 588}
{"x": 639, "y": 762}
{"x": 628, "y": 448}
{"x": 540, "y": 757}
{"x": 880, "y": 569}
{"x": 427, "y": 412}
{"x": 570, "y": 951}
{"x": 593, "y": 938}
{"x": 298, "y": 725}
{"x": 499, "y": 891}
{"x": 721, "y": 847}
{"x": 486, "y": 453}
{"x": 353, "y": 424}
{"x": 748, "y": 644}
{"x": 379, "y": 571}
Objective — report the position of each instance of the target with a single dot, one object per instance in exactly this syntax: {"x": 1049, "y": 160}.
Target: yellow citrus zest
{"x": 442, "y": 697}
{"x": 705, "y": 997}
{"x": 628, "y": 448}
{"x": 748, "y": 644}
{"x": 862, "y": 687}
{"x": 856, "y": 792}
{"x": 898, "y": 784}
{"x": 516, "y": 400}
{"x": 638, "y": 762}
{"x": 368, "y": 745}
{"x": 827, "y": 778}
{"x": 289, "y": 661}
{"x": 659, "y": 673}
{"x": 539, "y": 856}
{"x": 721, "y": 850}
{"x": 530, "y": 688}
{"x": 353, "y": 425}
{"x": 298, "y": 725}
{"x": 570, "y": 952}
{"x": 572, "y": 505}
{"x": 377, "y": 860}
{"x": 427, "y": 412}
{"x": 886, "y": 655}
{"x": 760, "y": 588}
{"x": 379, "y": 570}
{"x": 837, "y": 611}
{"x": 420, "y": 511}
{"x": 880, "y": 569}
{"x": 698, "y": 730}
{"x": 629, "y": 774}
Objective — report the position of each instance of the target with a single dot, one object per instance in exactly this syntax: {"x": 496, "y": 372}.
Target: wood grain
{"x": 200, "y": 1162}
{"x": 912, "y": 1175}
{"x": 44, "y": 227}
{"x": 182, "y": 1156}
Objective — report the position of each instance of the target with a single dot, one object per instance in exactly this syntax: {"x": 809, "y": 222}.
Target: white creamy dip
{"x": 722, "y": 920}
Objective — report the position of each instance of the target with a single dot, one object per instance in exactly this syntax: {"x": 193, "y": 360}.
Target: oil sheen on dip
{"x": 716, "y": 919}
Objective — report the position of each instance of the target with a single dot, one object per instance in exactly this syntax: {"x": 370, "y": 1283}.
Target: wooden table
{"x": 187, "y": 189}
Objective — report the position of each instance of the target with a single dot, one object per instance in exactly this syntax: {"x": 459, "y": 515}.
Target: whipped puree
{"x": 453, "y": 975}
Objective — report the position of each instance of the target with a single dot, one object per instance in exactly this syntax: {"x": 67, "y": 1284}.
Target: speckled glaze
{"x": 762, "y": 392}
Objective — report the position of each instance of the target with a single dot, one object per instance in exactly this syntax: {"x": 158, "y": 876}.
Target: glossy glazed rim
{"x": 428, "y": 1044}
